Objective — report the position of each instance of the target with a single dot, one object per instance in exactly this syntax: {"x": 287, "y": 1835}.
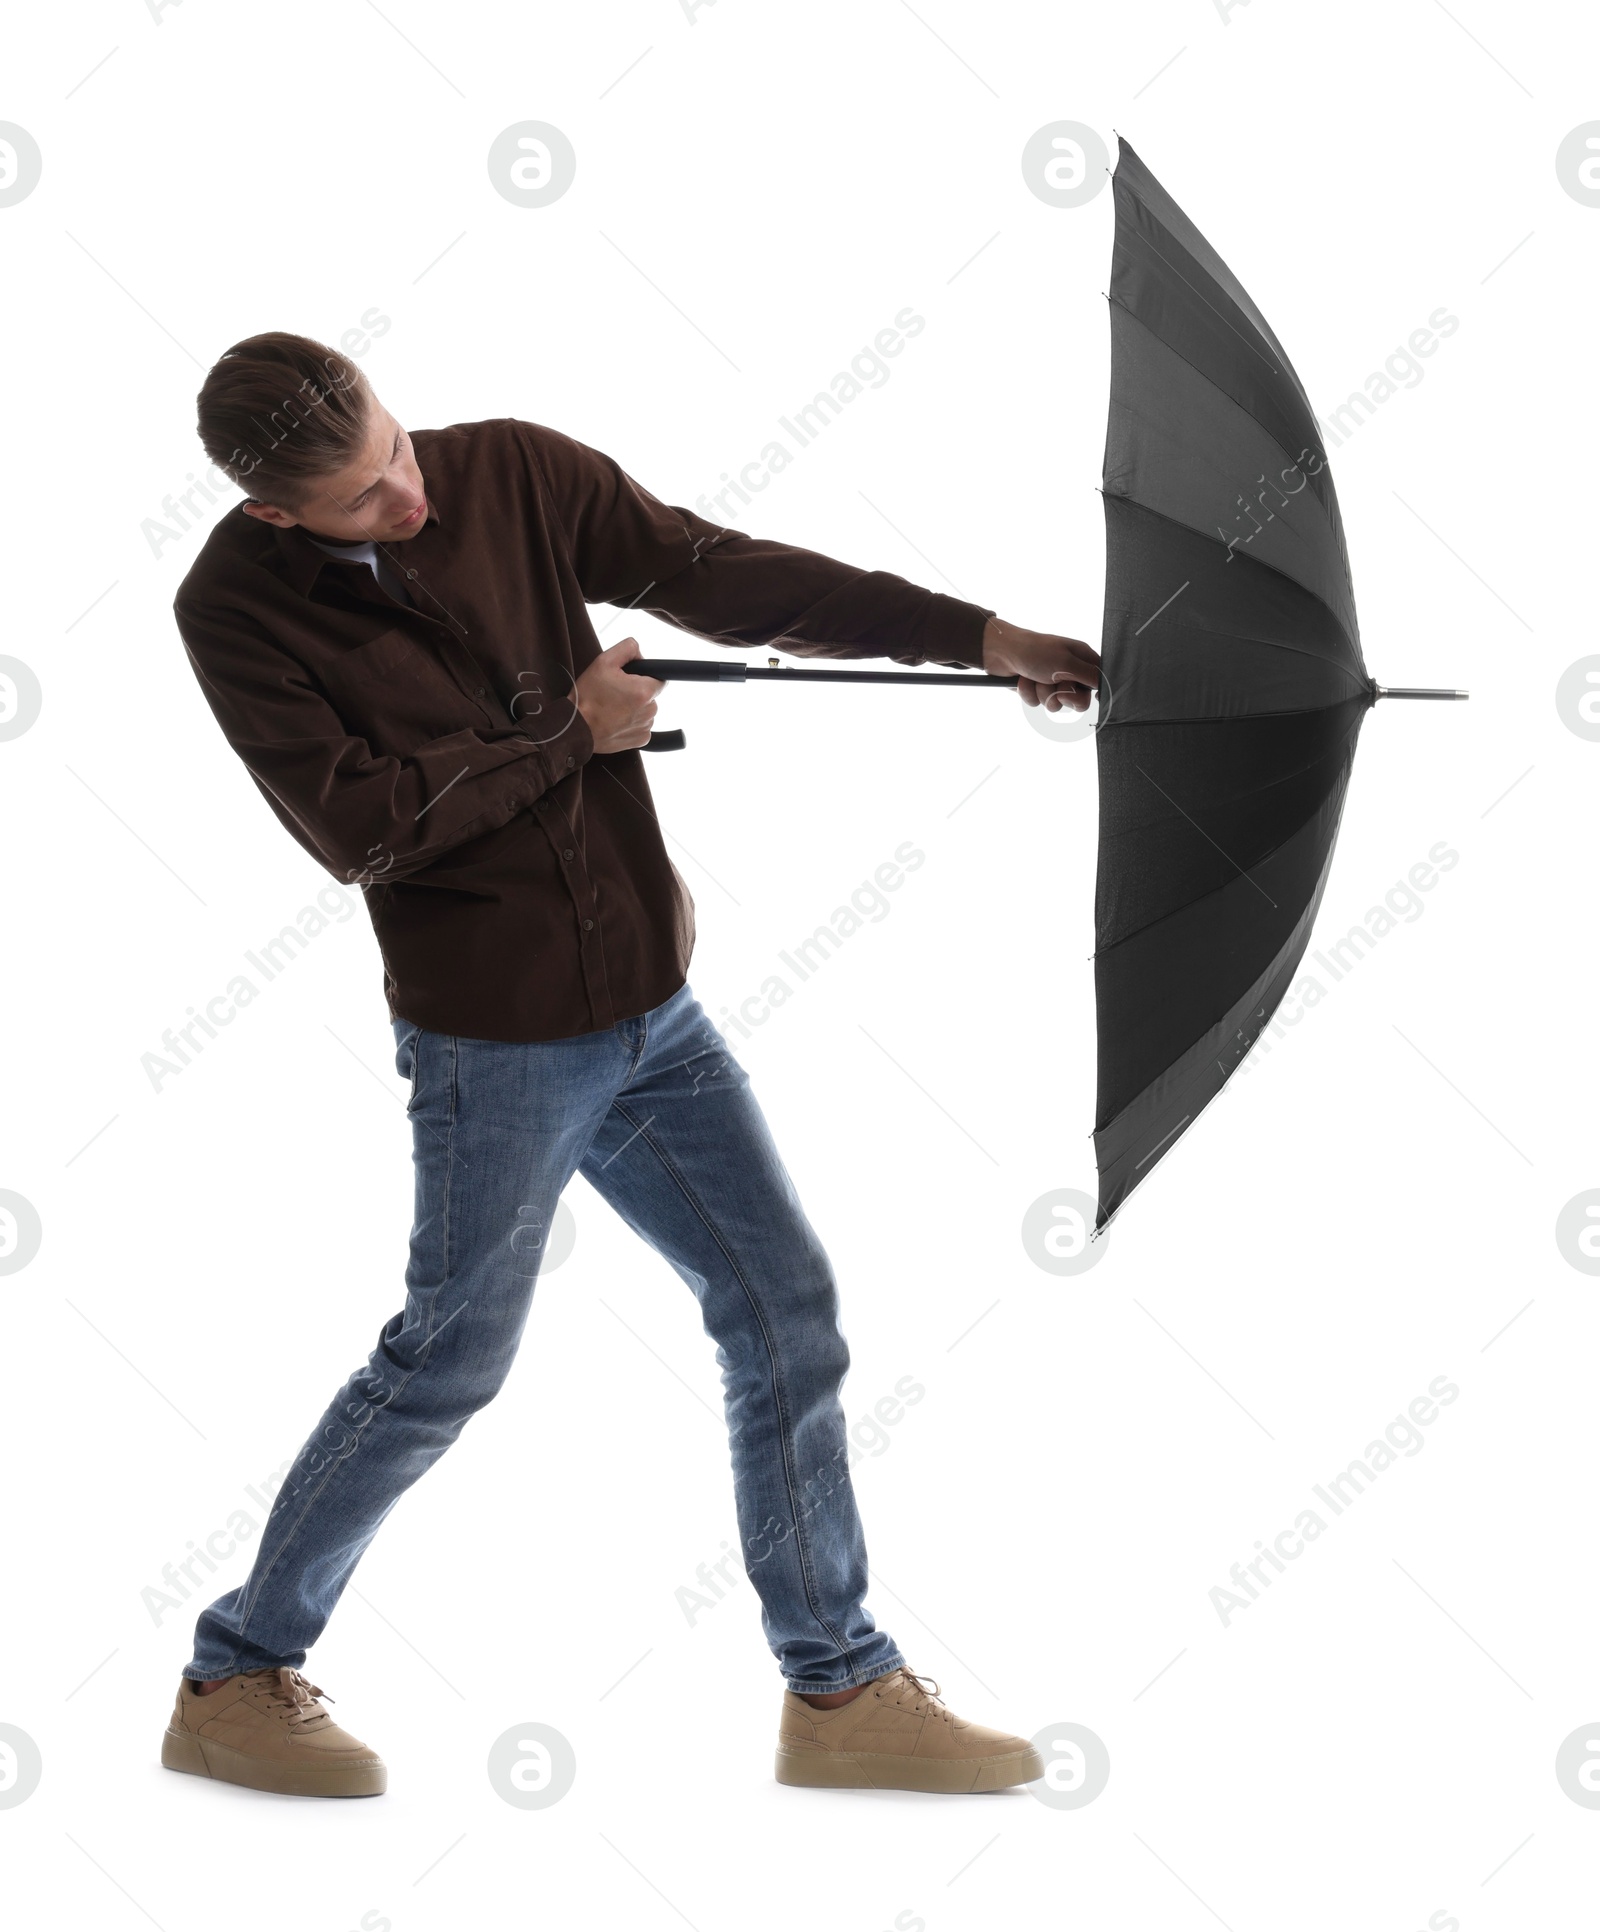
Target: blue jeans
{"x": 659, "y": 1118}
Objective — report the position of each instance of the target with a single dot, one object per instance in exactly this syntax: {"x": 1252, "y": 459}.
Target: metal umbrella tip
{"x": 1418, "y": 691}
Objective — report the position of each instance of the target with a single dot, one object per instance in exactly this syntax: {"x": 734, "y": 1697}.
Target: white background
{"x": 1365, "y": 1209}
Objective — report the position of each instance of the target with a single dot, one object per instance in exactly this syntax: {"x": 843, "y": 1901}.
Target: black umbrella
{"x": 1232, "y": 684}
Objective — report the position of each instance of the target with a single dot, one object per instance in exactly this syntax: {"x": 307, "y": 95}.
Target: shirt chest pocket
{"x": 391, "y": 657}
{"x": 396, "y": 694}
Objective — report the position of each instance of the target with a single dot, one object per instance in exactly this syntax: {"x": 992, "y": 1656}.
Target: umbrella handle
{"x": 664, "y": 741}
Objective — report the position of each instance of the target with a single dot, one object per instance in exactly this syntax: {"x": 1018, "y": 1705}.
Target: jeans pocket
{"x": 408, "y": 1039}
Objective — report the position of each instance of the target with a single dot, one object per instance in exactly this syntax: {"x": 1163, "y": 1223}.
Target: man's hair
{"x": 279, "y": 411}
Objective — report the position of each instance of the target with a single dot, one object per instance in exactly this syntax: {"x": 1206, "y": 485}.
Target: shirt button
{"x": 412, "y": 575}
{"x": 483, "y": 690}
{"x": 570, "y": 763}
{"x": 568, "y": 853}
{"x": 588, "y": 925}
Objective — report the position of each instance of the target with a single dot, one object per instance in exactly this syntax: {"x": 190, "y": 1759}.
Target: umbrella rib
{"x": 1211, "y": 382}
{"x": 1210, "y": 840}
{"x": 1103, "y": 952}
{"x": 1162, "y": 1142}
{"x": 1190, "y": 285}
{"x": 1188, "y": 1120}
{"x": 1261, "y": 643}
{"x": 1277, "y": 644}
{"x": 1194, "y": 1114}
{"x": 1260, "y": 563}
{"x": 1220, "y": 275}
{"x": 1242, "y": 717}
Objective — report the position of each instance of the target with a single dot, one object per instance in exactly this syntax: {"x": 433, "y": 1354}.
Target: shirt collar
{"x": 303, "y": 558}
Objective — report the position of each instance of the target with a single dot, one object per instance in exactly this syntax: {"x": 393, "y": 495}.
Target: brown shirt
{"x": 517, "y": 880}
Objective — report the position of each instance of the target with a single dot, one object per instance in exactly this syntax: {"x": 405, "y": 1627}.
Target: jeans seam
{"x": 644, "y": 1038}
{"x": 449, "y": 1182}
{"x": 247, "y": 1610}
{"x": 784, "y": 1430}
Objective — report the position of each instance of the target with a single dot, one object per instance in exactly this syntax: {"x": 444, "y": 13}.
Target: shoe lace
{"x": 295, "y": 1694}
{"x": 925, "y": 1695}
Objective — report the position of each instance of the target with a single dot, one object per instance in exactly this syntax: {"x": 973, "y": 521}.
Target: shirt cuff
{"x": 573, "y": 748}
{"x": 545, "y": 763}
{"x": 952, "y": 632}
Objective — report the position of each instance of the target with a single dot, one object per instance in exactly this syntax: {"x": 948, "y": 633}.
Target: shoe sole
{"x": 205, "y": 1758}
{"x": 879, "y": 1771}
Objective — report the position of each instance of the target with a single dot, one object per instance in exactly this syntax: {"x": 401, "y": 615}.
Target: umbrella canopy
{"x": 1233, "y": 687}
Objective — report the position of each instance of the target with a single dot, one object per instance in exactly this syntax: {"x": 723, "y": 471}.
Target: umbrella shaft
{"x": 709, "y": 671}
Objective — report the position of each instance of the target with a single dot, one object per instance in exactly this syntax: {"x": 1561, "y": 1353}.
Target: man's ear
{"x": 269, "y": 513}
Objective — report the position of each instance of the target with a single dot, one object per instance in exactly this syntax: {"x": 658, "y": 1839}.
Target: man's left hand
{"x": 1056, "y": 672}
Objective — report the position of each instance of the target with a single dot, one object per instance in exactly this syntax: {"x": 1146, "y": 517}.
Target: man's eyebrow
{"x": 372, "y": 486}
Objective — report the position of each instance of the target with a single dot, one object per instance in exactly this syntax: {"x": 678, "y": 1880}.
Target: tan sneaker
{"x": 268, "y": 1729}
{"x": 897, "y": 1736}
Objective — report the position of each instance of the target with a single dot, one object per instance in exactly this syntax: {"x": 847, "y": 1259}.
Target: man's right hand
{"x": 618, "y": 708}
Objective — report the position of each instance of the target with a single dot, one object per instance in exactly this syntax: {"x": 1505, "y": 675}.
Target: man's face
{"x": 379, "y": 496}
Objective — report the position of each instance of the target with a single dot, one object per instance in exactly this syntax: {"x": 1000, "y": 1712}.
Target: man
{"x": 392, "y": 632}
